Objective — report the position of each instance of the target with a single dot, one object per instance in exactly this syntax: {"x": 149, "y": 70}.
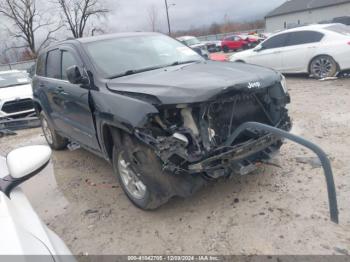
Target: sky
{"x": 133, "y": 15}
{"x": 130, "y": 15}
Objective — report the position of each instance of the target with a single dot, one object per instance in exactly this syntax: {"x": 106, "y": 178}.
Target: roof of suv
{"x": 184, "y": 38}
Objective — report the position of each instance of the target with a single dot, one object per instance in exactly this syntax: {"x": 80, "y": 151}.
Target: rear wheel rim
{"x": 322, "y": 67}
{"x": 47, "y": 131}
{"x": 130, "y": 179}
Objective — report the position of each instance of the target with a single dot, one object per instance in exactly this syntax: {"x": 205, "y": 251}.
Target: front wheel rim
{"x": 131, "y": 181}
{"x": 322, "y": 67}
{"x": 47, "y": 131}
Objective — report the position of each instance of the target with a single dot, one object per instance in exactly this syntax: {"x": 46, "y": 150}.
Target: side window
{"x": 275, "y": 41}
{"x": 40, "y": 65}
{"x": 304, "y": 37}
{"x": 53, "y": 64}
{"x": 67, "y": 60}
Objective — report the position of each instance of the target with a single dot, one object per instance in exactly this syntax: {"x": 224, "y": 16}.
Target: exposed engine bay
{"x": 191, "y": 138}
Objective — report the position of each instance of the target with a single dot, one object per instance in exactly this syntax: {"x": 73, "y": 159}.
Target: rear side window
{"x": 67, "y": 61}
{"x": 40, "y": 65}
{"x": 304, "y": 37}
{"x": 53, "y": 64}
{"x": 275, "y": 41}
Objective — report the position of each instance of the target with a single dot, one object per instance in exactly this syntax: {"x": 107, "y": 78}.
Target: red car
{"x": 234, "y": 43}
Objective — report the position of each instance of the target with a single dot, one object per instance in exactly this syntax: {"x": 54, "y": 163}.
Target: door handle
{"x": 60, "y": 91}
{"x": 57, "y": 90}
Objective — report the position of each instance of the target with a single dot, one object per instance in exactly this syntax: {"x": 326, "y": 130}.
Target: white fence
{"x": 26, "y": 65}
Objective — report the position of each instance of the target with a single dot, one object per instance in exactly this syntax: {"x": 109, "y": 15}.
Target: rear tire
{"x": 323, "y": 66}
{"x": 54, "y": 140}
{"x": 225, "y": 49}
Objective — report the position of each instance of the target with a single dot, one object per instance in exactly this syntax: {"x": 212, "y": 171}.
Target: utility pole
{"x": 167, "y": 15}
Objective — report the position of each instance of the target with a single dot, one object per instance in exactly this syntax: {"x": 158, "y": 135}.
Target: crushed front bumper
{"x": 264, "y": 146}
{"x": 234, "y": 157}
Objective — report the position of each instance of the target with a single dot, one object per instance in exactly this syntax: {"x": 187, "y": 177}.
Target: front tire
{"x": 323, "y": 66}
{"x": 54, "y": 140}
{"x": 138, "y": 170}
{"x": 225, "y": 49}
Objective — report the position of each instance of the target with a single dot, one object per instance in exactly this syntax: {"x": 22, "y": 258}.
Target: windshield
{"x": 341, "y": 29}
{"x": 13, "y": 79}
{"x": 122, "y": 55}
{"x": 191, "y": 41}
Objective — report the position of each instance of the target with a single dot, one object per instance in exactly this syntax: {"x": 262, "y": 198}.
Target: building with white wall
{"x": 302, "y": 12}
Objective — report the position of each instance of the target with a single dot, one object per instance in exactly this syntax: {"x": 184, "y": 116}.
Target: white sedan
{"x": 21, "y": 230}
{"x": 320, "y": 50}
{"x": 16, "y": 95}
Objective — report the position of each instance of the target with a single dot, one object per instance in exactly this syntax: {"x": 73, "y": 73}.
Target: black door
{"x": 73, "y": 101}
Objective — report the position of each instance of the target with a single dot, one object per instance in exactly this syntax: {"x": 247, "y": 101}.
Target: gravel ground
{"x": 280, "y": 209}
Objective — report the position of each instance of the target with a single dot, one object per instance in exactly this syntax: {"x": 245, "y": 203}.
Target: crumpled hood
{"x": 196, "y": 82}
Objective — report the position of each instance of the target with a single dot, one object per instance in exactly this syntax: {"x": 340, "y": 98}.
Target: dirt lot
{"x": 279, "y": 209}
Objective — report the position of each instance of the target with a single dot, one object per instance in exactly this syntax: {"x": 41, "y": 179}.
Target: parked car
{"x": 22, "y": 231}
{"x": 195, "y": 44}
{"x": 157, "y": 111}
{"x": 213, "y": 46}
{"x": 16, "y": 96}
{"x": 253, "y": 40}
{"x": 320, "y": 50}
{"x": 219, "y": 57}
{"x": 234, "y": 43}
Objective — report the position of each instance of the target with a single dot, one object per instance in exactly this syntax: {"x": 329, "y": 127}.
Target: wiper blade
{"x": 184, "y": 62}
{"x": 136, "y": 71}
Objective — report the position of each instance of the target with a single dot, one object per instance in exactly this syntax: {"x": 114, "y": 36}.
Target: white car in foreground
{"x": 16, "y": 94}
{"x": 22, "y": 231}
{"x": 320, "y": 50}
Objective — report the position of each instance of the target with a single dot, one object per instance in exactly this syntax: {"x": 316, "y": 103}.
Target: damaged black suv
{"x": 159, "y": 112}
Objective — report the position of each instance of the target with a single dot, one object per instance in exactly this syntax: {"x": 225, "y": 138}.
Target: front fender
{"x": 120, "y": 110}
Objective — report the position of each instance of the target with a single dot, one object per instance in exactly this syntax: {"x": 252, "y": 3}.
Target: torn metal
{"x": 191, "y": 138}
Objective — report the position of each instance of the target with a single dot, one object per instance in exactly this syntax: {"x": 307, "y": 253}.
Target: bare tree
{"x": 153, "y": 17}
{"x": 78, "y": 12}
{"x": 226, "y": 25}
{"x": 27, "y": 20}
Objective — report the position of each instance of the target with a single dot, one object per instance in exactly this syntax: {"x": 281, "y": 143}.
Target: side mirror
{"x": 258, "y": 48}
{"x": 75, "y": 75}
{"x": 22, "y": 164}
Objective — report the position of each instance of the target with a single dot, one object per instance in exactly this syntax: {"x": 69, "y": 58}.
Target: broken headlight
{"x": 284, "y": 84}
